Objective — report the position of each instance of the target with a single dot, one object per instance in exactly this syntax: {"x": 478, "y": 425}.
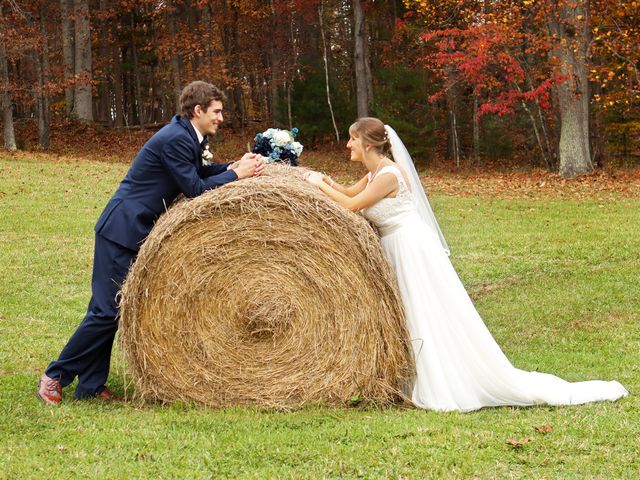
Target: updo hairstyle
{"x": 371, "y": 132}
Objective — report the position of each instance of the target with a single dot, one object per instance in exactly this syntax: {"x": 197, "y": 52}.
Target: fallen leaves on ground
{"x": 74, "y": 141}
{"x": 534, "y": 184}
{"x": 518, "y": 443}
{"x": 543, "y": 429}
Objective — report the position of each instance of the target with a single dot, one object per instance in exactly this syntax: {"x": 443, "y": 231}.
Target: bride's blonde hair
{"x": 372, "y": 132}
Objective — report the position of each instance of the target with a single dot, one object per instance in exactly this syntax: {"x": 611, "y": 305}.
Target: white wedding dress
{"x": 459, "y": 365}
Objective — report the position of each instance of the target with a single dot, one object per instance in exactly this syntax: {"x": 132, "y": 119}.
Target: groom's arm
{"x": 215, "y": 169}
{"x": 177, "y": 158}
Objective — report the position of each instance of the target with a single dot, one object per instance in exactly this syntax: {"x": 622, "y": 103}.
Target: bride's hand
{"x": 314, "y": 178}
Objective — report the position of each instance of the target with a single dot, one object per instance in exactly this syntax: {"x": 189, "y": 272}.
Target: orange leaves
{"x": 512, "y": 442}
{"x": 518, "y": 443}
{"x": 534, "y": 184}
{"x": 543, "y": 429}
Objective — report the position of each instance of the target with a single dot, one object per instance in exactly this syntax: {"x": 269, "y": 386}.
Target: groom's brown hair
{"x": 199, "y": 93}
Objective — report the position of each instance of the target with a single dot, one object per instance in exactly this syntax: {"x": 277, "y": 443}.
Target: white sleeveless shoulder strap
{"x": 396, "y": 171}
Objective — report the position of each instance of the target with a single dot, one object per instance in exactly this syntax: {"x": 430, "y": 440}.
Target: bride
{"x": 459, "y": 365}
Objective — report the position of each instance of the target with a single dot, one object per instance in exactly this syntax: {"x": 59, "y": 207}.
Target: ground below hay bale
{"x": 263, "y": 292}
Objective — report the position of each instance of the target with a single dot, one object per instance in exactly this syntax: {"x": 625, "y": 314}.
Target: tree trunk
{"x": 274, "y": 71}
{"x": 542, "y": 137}
{"x": 360, "y": 57}
{"x": 118, "y": 93}
{"x": 453, "y": 138}
{"x": 570, "y": 27}
{"x": 598, "y": 144}
{"x": 68, "y": 55}
{"x": 552, "y": 153}
{"x": 292, "y": 75}
{"x": 476, "y": 131}
{"x": 274, "y": 94}
{"x": 236, "y": 68}
{"x": 289, "y": 113}
{"x": 5, "y": 101}
{"x": 176, "y": 61}
{"x": 42, "y": 98}
{"x": 367, "y": 66}
{"x": 538, "y": 136}
{"x": 326, "y": 69}
{"x": 41, "y": 107}
{"x": 137, "y": 90}
{"x": 83, "y": 107}
{"x": 104, "y": 105}
{"x": 158, "y": 111}
{"x": 452, "y": 94}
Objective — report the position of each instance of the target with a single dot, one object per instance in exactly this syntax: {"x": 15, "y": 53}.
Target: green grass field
{"x": 557, "y": 281}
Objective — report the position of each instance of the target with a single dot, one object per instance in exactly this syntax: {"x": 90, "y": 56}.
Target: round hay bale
{"x": 263, "y": 292}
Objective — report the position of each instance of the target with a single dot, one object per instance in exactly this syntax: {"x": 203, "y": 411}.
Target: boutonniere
{"x": 207, "y": 156}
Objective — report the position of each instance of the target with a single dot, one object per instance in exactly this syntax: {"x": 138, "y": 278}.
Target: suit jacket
{"x": 169, "y": 163}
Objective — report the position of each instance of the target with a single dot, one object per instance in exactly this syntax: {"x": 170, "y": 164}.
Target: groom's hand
{"x": 248, "y": 165}
{"x": 259, "y": 165}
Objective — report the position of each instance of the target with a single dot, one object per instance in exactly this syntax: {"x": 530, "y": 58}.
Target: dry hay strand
{"x": 263, "y": 292}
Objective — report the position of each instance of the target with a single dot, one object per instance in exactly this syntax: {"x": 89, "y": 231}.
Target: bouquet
{"x": 278, "y": 146}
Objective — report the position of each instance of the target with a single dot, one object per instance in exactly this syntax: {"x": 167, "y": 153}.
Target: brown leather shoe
{"x": 108, "y": 396}
{"x": 49, "y": 390}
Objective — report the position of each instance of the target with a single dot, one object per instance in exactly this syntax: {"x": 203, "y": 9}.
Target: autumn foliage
{"x": 466, "y": 81}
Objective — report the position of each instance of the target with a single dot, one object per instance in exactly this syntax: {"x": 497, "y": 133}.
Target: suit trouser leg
{"x": 88, "y": 351}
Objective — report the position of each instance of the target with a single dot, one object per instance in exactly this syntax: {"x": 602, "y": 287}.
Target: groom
{"x": 169, "y": 164}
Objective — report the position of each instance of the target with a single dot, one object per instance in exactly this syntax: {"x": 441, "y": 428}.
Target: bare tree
{"x": 326, "y": 68}
{"x": 176, "y": 59}
{"x": 6, "y": 103}
{"x": 274, "y": 62}
{"x": 137, "y": 88}
{"x": 118, "y": 88}
{"x": 83, "y": 105}
{"x": 68, "y": 55}
{"x": 41, "y": 61}
{"x": 103, "y": 107}
{"x": 453, "y": 95}
{"x": 360, "y": 57}
{"x": 476, "y": 130}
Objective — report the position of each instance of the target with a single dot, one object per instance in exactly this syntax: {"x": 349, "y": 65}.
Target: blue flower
{"x": 278, "y": 146}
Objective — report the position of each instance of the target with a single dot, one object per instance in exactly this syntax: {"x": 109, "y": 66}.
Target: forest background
{"x": 545, "y": 83}
{"x": 498, "y": 100}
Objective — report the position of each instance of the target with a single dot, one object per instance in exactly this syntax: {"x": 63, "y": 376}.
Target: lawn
{"x": 555, "y": 276}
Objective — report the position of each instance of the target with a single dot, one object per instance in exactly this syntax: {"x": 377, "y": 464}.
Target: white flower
{"x": 278, "y": 146}
{"x": 297, "y": 148}
{"x": 207, "y": 156}
{"x": 281, "y": 138}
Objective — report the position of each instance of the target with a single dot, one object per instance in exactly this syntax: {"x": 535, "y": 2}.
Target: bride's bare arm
{"x": 381, "y": 186}
{"x": 351, "y": 191}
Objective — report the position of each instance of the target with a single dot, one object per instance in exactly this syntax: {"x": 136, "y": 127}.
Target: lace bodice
{"x": 389, "y": 213}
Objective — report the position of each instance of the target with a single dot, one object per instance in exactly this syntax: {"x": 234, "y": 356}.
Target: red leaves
{"x": 506, "y": 102}
{"x": 508, "y": 53}
{"x": 486, "y": 57}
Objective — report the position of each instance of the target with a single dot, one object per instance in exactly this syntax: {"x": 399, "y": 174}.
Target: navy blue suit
{"x": 170, "y": 163}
